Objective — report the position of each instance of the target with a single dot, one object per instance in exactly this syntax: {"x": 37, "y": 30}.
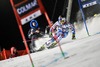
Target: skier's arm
{"x": 72, "y": 28}
{"x": 73, "y": 31}
{"x": 52, "y": 29}
{"x": 50, "y": 32}
{"x": 30, "y": 33}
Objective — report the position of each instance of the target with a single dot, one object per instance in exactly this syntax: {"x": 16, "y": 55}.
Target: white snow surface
{"x": 82, "y": 52}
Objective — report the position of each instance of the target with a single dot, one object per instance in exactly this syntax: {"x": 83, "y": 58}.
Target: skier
{"x": 33, "y": 34}
{"x": 59, "y": 30}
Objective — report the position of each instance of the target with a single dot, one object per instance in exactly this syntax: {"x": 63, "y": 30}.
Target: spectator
{"x": 33, "y": 34}
{"x": 14, "y": 52}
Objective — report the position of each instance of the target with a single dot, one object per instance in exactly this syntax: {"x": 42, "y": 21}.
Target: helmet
{"x": 34, "y": 22}
{"x": 59, "y": 18}
{"x": 63, "y": 20}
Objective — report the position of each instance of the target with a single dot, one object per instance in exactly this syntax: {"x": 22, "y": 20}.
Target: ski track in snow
{"x": 82, "y": 52}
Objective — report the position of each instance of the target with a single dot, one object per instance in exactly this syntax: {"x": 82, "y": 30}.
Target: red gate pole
{"x": 21, "y": 31}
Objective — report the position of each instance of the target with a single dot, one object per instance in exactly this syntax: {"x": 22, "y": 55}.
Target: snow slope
{"x": 82, "y": 52}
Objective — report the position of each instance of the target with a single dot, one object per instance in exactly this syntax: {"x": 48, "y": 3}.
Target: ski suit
{"x": 59, "y": 31}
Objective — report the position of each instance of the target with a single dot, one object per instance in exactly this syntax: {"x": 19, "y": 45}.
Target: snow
{"x": 82, "y": 52}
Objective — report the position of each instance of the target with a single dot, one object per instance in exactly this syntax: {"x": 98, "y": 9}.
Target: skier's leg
{"x": 55, "y": 39}
{"x": 32, "y": 45}
{"x": 46, "y": 45}
{"x": 31, "y": 48}
{"x": 55, "y": 36}
{"x": 49, "y": 42}
{"x": 59, "y": 38}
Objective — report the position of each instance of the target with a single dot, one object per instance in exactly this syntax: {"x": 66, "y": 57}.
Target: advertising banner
{"x": 28, "y": 9}
{"x": 88, "y": 3}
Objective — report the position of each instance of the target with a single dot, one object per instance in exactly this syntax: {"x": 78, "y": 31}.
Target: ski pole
{"x": 31, "y": 40}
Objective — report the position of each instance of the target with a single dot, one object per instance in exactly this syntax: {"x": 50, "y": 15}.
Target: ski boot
{"x": 33, "y": 50}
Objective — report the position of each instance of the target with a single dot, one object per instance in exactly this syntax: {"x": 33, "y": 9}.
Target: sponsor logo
{"x": 83, "y": 0}
{"x": 89, "y": 4}
{"x": 27, "y": 7}
{"x": 30, "y": 17}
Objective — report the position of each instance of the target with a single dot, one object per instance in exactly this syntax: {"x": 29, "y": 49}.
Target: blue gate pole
{"x": 84, "y": 20}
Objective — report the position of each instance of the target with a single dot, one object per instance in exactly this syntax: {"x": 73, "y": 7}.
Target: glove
{"x": 73, "y": 36}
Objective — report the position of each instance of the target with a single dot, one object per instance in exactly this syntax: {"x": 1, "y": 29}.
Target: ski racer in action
{"x": 59, "y": 30}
